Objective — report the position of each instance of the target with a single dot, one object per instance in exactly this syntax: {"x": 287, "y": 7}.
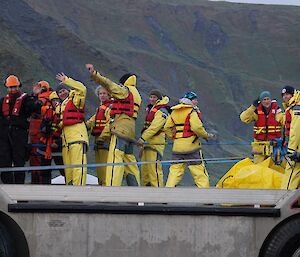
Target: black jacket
{"x": 30, "y": 104}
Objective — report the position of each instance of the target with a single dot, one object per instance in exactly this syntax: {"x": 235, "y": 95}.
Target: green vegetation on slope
{"x": 225, "y": 52}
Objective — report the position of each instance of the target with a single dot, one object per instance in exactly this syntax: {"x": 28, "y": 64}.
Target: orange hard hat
{"x": 44, "y": 85}
{"x": 12, "y": 81}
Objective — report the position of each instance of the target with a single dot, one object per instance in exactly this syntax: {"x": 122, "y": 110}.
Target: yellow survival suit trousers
{"x": 291, "y": 179}
{"x": 152, "y": 174}
{"x": 197, "y": 169}
{"x": 101, "y": 154}
{"x": 121, "y": 150}
{"x": 75, "y": 153}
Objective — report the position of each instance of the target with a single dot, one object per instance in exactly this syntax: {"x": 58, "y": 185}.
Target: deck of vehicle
{"x": 142, "y": 221}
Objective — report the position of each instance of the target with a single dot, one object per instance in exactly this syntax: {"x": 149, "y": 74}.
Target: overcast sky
{"x": 282, "y": 2}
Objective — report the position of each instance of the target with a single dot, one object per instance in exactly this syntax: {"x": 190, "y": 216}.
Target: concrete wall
{"x": 111, "y": 235}
{"x": 83, "y": 221}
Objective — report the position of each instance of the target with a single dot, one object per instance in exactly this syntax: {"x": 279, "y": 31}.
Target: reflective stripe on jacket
{"x": 121, "y": 125}
{"x": 184, "y": 130}
{"x": 126, "y": 106}
{"x": 17, "y": 106}
{"x": 266, "y": 127}
{"x": 100, "y": 118}
{"x": 150, "y": 113}
{"x": 178, "y": 116}
{"x": 72, "y": 115}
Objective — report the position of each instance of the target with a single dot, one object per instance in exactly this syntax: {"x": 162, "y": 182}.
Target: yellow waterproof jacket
{"x": 285, "y": 105}
{"x": 105, "y": 134}
{"x": 76, "y": 132}
{"x": 294, "y": 140}
{"x": 178, "y": 116}
{"x": 154, "y": 141}
{"x": 121, "y": 124}
{"x": 249, "y": 115}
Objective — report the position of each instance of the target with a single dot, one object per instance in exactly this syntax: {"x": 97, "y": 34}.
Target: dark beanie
{"x": 62, "y": 86}
{"x": 287, "y": 90}
{"x": 156, "y": 92}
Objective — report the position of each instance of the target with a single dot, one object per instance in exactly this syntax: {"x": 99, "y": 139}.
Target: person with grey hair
{"x": 99, "y": 126}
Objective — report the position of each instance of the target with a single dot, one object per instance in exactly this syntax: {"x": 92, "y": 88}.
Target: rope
{"x": 170, "y": 143}
{"x": 164, "y": 163}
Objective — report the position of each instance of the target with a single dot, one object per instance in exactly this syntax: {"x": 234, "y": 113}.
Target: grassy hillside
{"x": 225, "y": 52}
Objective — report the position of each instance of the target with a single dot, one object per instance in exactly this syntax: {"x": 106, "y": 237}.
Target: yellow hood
{"x": 181, "y": 105}
{"x": 164, "y": 100}
{"x": 295, "y": 99}
{"x": 131, "y": 81}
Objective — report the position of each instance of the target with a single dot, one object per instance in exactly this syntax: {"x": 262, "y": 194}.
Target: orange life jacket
{"x": 55, "y": 118}
{"x": 125, "y": 106}
{"x": 44, "y": 98}
{"x": 72, "y": 115}
{"x": 150, "y": 116}
{"x": 36, "y": 118}
{"x": 17, "y": 106}
{"x": 100, "y": 119}
{"x": 47, "y": 120}
{"x": 266, "y": 127}
{"x": 186, "y": 130}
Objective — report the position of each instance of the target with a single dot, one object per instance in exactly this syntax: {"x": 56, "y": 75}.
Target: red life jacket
{"x": 100, "y": 119}
{"x": 150, "y": 116}
{"x": 36, "y": 118}
{"x": 125, "y": 106}
{"x": 288, "y": 120}
{"x": 17, "y": 106}
{"x": 266, "y": 127}
{"x": 187, "y": 130}
{"x": 72, "y": 115}
{"x": 34, "y": 129}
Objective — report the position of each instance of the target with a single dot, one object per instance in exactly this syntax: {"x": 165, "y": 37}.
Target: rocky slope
{"x": 225, "y": 52}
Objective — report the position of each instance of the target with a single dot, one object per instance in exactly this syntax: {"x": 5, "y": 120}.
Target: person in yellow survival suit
{"x": 291, "y": 179}
{"x": 184, "y": 127}
{"x": 123, "y": 113}
{"x": 74, "y": 132}
{"x": 99, "y": 123}
{"x": 156, "y": 114}
{"x": 268, "y": 121}
{"x": 287, "y": 93}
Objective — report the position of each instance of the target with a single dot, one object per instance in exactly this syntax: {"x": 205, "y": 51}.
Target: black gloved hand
{"x": 256, "y": 102}
{"x": 294, "y": 156}
{"x": 45, "y": 127}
